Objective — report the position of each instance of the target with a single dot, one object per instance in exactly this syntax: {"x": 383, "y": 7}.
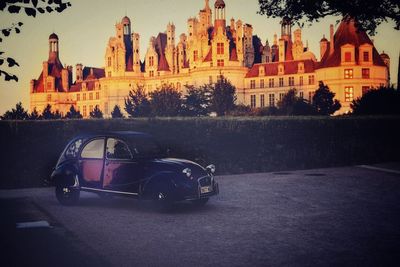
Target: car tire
{"x": 162, "y": 201}
{"x": 200, "y": 202}
{"x": 67, "y": 196}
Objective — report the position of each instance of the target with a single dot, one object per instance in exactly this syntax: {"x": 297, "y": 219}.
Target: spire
{"x": 207, "y": 5}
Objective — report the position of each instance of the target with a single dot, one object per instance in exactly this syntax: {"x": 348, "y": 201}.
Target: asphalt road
{"x": 327, "y": 217}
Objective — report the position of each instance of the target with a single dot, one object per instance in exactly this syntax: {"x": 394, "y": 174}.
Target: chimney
{"x": 332, "y": 41}
{"x": 45, "y": 69}
{"x": 64, "y": 79}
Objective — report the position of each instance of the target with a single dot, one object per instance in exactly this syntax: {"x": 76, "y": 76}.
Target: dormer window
{"x": 300, "y": 67}
{"x": 261, "y": 71}
{"x": 365, "y": 56}
{"x": 281, "y": 69}
{"x": 347, "y": 56}
{"x": 365, "y": 53}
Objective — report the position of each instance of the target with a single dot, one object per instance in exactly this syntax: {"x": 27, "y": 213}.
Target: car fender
{"x": 66, "y": 174}
{"x": 159, "y": 181}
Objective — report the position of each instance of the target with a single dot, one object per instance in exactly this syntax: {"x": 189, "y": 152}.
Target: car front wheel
{"x": 66, "y": 195}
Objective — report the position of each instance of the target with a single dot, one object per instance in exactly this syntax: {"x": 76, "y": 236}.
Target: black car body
{"x": 129, "y": 164}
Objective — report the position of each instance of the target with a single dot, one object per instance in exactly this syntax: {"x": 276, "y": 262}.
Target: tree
{"x": 292, "y": 105}
{"x": 34, "y": 115}
{"x": 17, "y": 113}
{"x": 380, "y": 101}
{"x": 324, "y": 102}
{"x": 166, "y": 102}
{"x": 116, "y": 113}
{"x": 367, "y": 13}
{"x": 31, "y": 8}
{"x": 47, "y": 114}
{"x": 137, "y": 103}
{"x": 73, "y": 113}
{"x": 222, "y": 97}
{"x": 96, "y": 113}
{"x": 197, "y": 101}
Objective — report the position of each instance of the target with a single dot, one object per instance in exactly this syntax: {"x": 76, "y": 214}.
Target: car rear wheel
{"x": 163, "y": 202}
{"x": 66, "y": 195}
{"x": 200, "y": 202}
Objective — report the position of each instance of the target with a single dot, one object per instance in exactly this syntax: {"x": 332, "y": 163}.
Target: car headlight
{"x": 187, "y": 172}
{"x": 211, "y": 168}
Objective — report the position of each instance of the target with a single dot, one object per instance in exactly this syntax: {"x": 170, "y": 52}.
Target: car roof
{"x": 119, "y": 134}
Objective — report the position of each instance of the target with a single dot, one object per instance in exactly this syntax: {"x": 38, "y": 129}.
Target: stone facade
{"x": 261, "y": 73}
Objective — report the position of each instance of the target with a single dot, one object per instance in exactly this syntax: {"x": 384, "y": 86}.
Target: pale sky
{"x": 84, "y": 30}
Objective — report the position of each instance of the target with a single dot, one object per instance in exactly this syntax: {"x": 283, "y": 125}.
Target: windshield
{"x": 144, "y": 147}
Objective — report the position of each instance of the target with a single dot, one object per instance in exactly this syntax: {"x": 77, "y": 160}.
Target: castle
{"x": 348, "y": 63}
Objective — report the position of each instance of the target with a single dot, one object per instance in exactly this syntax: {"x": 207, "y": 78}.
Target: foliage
{"x": 34, "y": 115}
{"x": 166, "y": 102}
{"x": 222, "y": 96}
{"x": 367, "y": 13}
{"x": 31, "y": 8}
{"x": 96, "y": 113}
{"x": 291, "y": 105}
{"x": 17, "y": 113}
{"x": 197, "y": 101}
{"x": 324, "y": 102}
{"x": 137, "y": 103}
{"x": 116, "y": 113}
{"x": 73, "y": 113}
{"x": 47, "y": 114}
{"x": 380, "y": 101}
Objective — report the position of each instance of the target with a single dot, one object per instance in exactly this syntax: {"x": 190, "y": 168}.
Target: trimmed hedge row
{"x": 30, "y": 149}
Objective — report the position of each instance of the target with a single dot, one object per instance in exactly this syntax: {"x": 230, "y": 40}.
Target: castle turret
{"x": 323, "y": 46}
{"x": 136, "y": 52}
{"x": 248, "y": 45}
{"x": 239, "y": 41}
{"x": 53, "y": 47}
{"x": 170, "y": 48}
{"x": 219, "y": 21}
{"x": 79, "y": 72}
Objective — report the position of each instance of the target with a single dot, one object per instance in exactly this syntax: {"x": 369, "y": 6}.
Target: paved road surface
{"x": 327, "y": 217}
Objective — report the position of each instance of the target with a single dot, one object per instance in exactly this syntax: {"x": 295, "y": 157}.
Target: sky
{"x": 85, "y": 27}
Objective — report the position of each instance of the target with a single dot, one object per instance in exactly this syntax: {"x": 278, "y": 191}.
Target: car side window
{"x": 73, "y": 149}
{"x": 117, "y": 149}
{"x": 94, "y": 149}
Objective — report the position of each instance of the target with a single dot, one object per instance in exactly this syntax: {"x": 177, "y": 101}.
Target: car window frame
{"x": 124, "y": 142}
{"x": 88, "y": 142}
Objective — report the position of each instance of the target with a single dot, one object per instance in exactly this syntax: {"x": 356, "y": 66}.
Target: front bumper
{"x": 199, "y": 195}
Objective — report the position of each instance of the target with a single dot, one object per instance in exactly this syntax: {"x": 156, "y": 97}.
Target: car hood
{"x": 177, "y": 165}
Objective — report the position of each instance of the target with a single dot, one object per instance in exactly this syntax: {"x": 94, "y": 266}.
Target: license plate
{"x": 206, "y": 189}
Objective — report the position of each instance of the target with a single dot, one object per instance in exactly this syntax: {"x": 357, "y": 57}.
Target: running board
{"x": 108, "y": 191}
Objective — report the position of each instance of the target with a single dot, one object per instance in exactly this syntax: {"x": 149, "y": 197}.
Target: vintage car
{"x": 129, "y": 164}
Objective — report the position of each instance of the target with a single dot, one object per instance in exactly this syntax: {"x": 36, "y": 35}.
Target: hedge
{"x": 30, "y": 149}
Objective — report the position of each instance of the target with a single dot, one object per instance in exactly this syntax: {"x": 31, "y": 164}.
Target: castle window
{"x": 281, "y": 95}
{"x": 220, "y": 62}
{"x": 84, "y": 96}
{"x": 348, "y": 73}
{"x": 49, "y": 85}
{"x": 109, "y": 61}
{"x": 78, "y": 97}
{"x": 195, "y": 55}
{"x": 281, "y": 82}
{"x": 365, "y": 89}
{"x": 109, "y": 74}
{"x": 253, "y": 101}
{"x": 151, "y": 61}
{"x": 366, "y": 56}
{"x": 291, "y": 81}
{"x": 252, "y": 84}
{"x": 90, "y": 108}
{"x": 220, "y": 48}
{"x": 271, "y": 83}
{"x": 90, "y": 96}
{"x": 97, "y": 95}
{"x": 348, "y": 93}
{"x": 311, "y": 79}
{"x": 365, "y": 73}
{"x": 311, "y": 96}
{"x": 262, "y": 83}
{"x": 301, "y": 80}
{"x": 48, "y": 97}
{"x": 272, "y": 100}
{"x": 347, "y": 56}
{"x": 151, "y": 74}
{"x": 84, "y": 111}
{"x": 301, "y": 94}
{"x": 262, "y": 101}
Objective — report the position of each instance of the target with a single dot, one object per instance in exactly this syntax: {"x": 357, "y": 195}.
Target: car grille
{"x": 205, "y": 181}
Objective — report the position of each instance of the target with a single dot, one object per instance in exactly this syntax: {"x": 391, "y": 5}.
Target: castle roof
{"x": 219, "y": 4}
{"x": 348, "y": 33}
{"x": 54, "y": 68}
{"x": 161, "y": 43}
{"x": 290, "y": 67}
{"x": 53, "y": 36}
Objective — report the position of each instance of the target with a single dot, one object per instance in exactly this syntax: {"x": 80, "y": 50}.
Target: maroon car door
{"x": 121, "y": 172}
{"x": 91, "y": 163}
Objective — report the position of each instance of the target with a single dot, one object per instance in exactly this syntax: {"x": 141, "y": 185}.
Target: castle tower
{"x": 239, "y": 41}
{"x": 79, "y": 72}
{"x": 170, "y": 48}
{"x": 275, "y": 49}
{"x": 386, "y": 59}
{"x": 298, "y": 47}
{"x": 136, "y": 52}
{"x": 219, "y": 21}
{"x": 126, "y": 26}
{"x": 248, "y": 45}
{"x": 323, "y": 46}
{"x": 205, "y": 16}
{"x": 53, "y": 47}
{"x": 181, "y": 52}
{"x": 286, "y": 29}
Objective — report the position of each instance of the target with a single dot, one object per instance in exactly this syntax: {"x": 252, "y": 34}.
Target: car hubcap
{"x": 161, "y": 196}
